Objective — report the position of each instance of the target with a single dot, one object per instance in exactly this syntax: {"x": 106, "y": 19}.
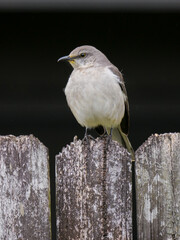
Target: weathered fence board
{"x": 24, "y": 189}
{"x": 158, "y": 187}
{"x": 93, "y": 187}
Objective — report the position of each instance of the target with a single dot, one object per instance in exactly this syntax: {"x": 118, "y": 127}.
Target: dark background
{"x": 145, "y": 45}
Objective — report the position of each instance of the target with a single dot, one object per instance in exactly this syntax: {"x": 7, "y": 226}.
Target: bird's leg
{"x": 87, "y": 137}
{"x": 107, "y": 136}
{"x": 107, "y": 139}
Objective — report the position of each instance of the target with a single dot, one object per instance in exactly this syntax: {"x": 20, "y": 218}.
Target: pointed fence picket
{"x": 95, "y": 190}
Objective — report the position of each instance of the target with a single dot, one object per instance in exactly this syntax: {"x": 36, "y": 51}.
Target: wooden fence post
{"x": 93, "y": 187}
{"x": 24, "y": 189}
{"x": 158, "y": 187}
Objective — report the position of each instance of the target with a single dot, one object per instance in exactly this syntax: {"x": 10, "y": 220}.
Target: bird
{"x": 96, "y": 94}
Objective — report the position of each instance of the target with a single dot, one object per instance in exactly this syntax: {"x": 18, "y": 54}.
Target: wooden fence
{"x": 95, "y": 190}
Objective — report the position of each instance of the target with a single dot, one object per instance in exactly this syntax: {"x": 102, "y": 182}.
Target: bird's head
{"x": 84, "y": 57}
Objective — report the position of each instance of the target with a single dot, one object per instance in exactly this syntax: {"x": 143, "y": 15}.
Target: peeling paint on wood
{"x": 24, "y": 189}
{"x": 93, "y": 188}
{"x": 158, "y": 187}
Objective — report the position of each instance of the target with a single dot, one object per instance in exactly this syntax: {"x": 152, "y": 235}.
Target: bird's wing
{"x": 120, "y": 134}
{"x": 126, "y": 119}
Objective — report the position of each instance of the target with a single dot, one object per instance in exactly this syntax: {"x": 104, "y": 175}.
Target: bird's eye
{"x": 82, "y": 55}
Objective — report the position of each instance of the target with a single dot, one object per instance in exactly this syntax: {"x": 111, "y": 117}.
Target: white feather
{"x": 95, "y": 97}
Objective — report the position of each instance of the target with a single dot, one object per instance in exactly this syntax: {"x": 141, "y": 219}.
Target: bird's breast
{"x": 95, "y": 97}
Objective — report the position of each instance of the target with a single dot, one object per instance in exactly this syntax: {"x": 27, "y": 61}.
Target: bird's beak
{"x": 65, "y": 58}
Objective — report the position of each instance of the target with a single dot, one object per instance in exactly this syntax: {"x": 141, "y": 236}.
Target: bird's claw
{"x": 87, "y": 138}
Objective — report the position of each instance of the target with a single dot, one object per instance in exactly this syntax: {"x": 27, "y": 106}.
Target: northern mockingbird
{"x": 96, "y": 94}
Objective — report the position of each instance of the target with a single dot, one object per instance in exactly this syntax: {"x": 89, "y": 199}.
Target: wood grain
{"x": 93, "y": 187}
{"x": 24, "y": 189}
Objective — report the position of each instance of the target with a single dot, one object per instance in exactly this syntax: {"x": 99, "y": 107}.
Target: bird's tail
{"x": 123, "y": 140}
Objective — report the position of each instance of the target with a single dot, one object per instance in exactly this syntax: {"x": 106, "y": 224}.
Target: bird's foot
{"x": 87, "y": 138}
{"x": 108, "y": 136}
{"x": 109, "y": 139}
